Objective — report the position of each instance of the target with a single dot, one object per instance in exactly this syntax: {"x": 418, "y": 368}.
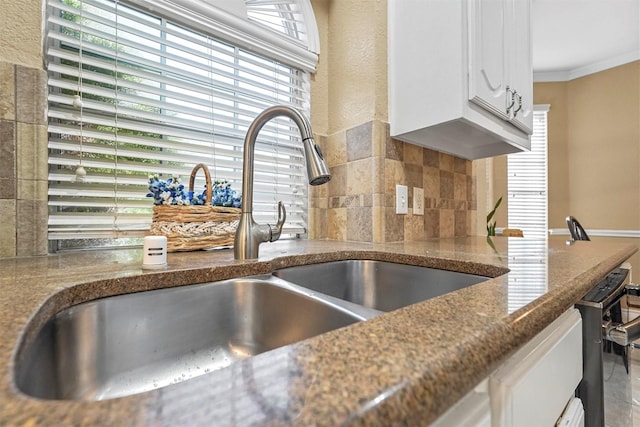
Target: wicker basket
{"x": 190, "y": 228}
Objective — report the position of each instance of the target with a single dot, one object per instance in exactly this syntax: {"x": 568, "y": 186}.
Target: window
{"x": 527, "y": 181}
{"x": 527, "y": 210}
{"x": 132, "y": 93}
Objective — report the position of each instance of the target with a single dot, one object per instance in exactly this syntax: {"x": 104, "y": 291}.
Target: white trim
{"x": 313, "y": 35}
{"x": 233, "y": 29}
{"x": 600, "y": 233}
{"x": 542, "y": 107}
{"x": 566, "y": 75}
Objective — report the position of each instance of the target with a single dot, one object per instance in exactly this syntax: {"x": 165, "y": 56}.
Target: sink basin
{"x": 381, "y": 285}
{"x": 127, "y": 344}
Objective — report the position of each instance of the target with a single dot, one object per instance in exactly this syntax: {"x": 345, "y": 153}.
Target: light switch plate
{"x": 402, "y": 199}
{"x": 418, "y": 201}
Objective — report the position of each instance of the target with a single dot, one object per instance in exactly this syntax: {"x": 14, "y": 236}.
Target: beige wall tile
{"x": 360, "y": 142}
{"x": 337, "y": 224}
{"x": 378, "y": 175}
{"x": 31, "y": 99}
{"x": 7, "y": 91}
{"x": 394, "y": 149}
{"x": 360, "y": 176}
{"x": 432, "y": 223}
{"x": 8, "y": 228}
{"x": 360, "y": 224}
{"x": 378, "y": 219}
{"x": 393, "y": 226}
{"x": 446, "y": 162}
{"x": 460, "y": 165}
{"x": 338, "y": 184}
{"x": 414, "y": 177}
{"x": 413, "y": 154}
{"x": 318, "y": 223}
{"x": 380, "y": 138}
{"x": 459, "y": 186}
{"x": 431, "y": 158}
{"x": 447, "y": 223}
{"x": 7, "y": 149}
{"x": 431, "y": 182}
{"x": 393, "y": 174}
{"x": 414, "y": 227}
{"x": 31, "y": 227}
{"x": 31, "y": 147}
{"x": 446, "y": 184}
{"x": 336, "y": 152}
{"x": 8, "y": 188}
{"x": 460, "y": 223}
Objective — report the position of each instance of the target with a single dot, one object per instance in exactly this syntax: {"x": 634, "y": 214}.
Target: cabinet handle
{"x": 513, "y": 100}
{"x": 515, "y": 113}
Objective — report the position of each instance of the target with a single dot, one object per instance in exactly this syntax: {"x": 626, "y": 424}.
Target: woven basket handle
{"x": 208, "y": 190}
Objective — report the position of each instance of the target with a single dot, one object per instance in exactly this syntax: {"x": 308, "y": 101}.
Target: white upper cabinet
{"x": 500, "y": 75}
{"x": 460, "y": 75}
{"x": 521, "y": 64}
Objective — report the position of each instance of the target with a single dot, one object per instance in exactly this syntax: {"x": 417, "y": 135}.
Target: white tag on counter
{"x": 154, "y": 252}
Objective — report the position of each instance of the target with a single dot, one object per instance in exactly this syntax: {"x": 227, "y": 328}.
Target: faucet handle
{"x": 277, "y": 229}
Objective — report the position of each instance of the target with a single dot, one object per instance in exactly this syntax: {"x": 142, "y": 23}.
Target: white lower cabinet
{"x": 535, "y": 387}
{"x": 473, "y": 410}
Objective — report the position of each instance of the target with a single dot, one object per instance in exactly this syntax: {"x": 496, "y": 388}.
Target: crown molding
{"x": 596, "y": 67}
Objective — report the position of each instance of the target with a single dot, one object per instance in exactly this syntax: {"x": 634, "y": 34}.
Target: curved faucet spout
{"x": 249, "y": 234}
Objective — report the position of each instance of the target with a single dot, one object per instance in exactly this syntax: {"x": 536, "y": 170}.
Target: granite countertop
{"x": 403, "y": 367}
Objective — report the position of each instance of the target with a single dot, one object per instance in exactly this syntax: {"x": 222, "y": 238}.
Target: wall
{"x": 594, "y": 150}
{"x": 349, "y": 116}
{"x": 350, "y": 113}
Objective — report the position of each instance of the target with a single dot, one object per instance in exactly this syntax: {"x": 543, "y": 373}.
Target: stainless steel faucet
{"x": 250, "y": 234}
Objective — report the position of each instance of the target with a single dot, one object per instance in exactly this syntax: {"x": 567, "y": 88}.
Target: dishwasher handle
{"x": 624, "y": 334}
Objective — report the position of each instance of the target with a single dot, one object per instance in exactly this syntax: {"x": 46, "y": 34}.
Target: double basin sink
{"x": 127, "y": 344}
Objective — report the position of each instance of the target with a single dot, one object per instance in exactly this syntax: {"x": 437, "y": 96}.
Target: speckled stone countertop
{"x": 405, "y": 367}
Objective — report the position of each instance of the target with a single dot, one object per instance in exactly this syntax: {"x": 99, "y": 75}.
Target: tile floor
{"x": 622, "y": 397}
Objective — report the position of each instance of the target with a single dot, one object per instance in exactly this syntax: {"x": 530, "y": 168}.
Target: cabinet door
{"x": 487, "y": 55}
{"x": 520, "y": 70}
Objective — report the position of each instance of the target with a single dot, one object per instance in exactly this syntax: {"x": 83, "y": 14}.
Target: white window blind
{"x": 527, "y": 181}
{"x": 527, "y": 210}
{"x": 133, "y": 94}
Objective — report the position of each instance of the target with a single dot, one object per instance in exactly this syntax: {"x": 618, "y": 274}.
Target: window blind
{"x": 133, "y": 94}
{"x": 527, "y": 182}
{"x": 527, "y": 210}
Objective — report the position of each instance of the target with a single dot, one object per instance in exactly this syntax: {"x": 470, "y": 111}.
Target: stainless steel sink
{"x": 380, "y": 285}
{"x": 127, "y": 344}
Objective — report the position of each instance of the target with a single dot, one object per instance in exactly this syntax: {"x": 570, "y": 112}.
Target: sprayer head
{"x": 316, "y": 167}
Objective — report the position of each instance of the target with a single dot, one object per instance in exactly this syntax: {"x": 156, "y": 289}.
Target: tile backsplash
{"x": 358, "y": 204}
{"x": 23, "y": 161}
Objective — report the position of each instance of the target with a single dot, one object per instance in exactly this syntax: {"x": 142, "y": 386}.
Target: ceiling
{"x": 573, "y": 38}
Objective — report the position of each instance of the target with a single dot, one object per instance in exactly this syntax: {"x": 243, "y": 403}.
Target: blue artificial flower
{"x": 172, "y": 192}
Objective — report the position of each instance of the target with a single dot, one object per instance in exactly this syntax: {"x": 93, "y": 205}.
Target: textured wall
{"x": 594, "y": 151}
{"x": 21, "y": 33}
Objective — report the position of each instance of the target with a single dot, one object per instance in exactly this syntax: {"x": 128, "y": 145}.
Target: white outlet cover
{"x": 418, "y": 201}
{"x": 402, "y": 199}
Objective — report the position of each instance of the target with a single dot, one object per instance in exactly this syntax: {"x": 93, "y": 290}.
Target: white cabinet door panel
{"x": 487, "y": 59}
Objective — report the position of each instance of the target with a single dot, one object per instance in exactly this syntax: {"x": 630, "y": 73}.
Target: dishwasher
{"x": 606, "y": 342}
